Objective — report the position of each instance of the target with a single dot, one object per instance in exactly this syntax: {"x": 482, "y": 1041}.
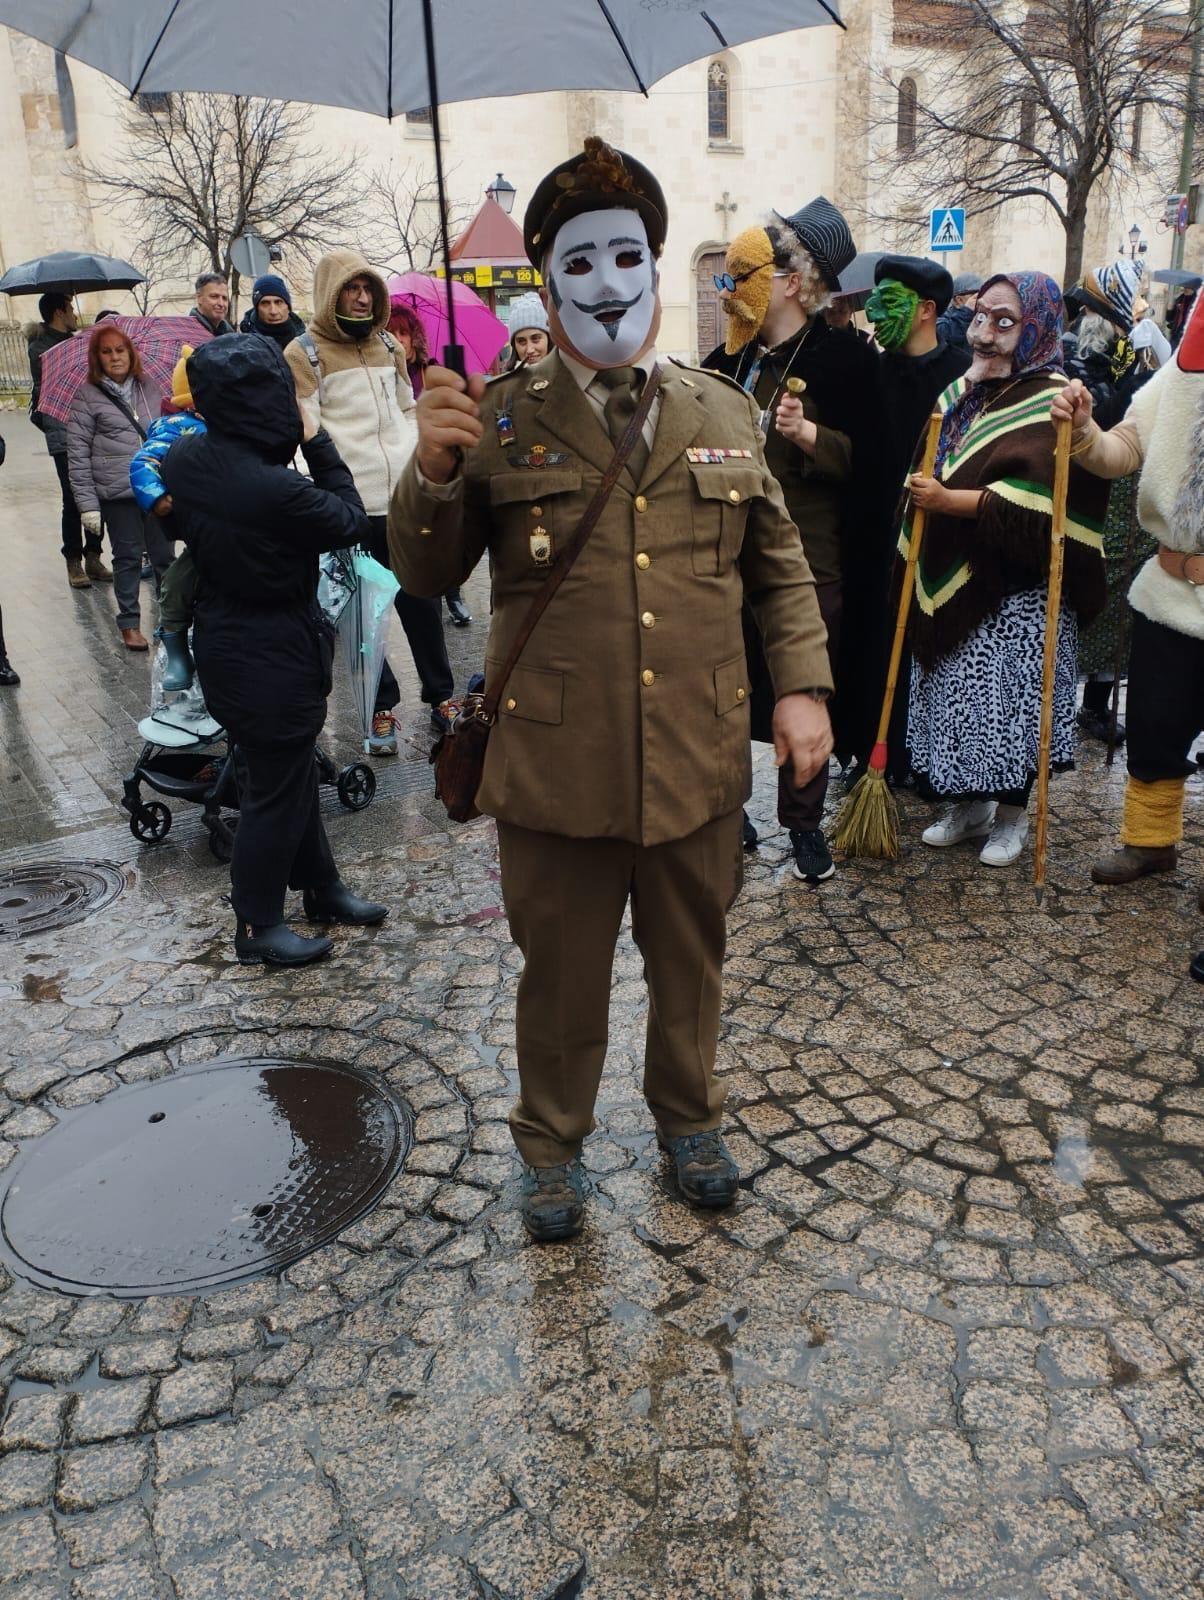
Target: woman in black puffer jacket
{"x": 263, "y": 650}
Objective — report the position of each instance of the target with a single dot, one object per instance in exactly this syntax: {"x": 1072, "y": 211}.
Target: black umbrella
{"x": 1176, "y": 276}
{"x": 69, "y": 272}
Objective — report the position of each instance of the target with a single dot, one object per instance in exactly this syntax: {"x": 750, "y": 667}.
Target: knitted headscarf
{"x": 1039, "y": 350}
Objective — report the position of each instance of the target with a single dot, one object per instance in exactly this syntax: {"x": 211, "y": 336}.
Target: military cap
{"x": 930, "y": 281}
{"x": 823, "y": 232}
{"x": 599, "y": 178}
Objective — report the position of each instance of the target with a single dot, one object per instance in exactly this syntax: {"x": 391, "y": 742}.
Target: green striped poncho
{"x": 968, "y": 565}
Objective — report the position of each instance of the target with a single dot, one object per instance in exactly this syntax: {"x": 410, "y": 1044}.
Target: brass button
{"x": 537, "y": 511}
{"x": 643, "y": 561}
{"x": 648, "y": 620}
{"x": 739, "y": 694}
{"x": 425, "y": 532}
{"x": 647, "y": 677}
{"x": 641, "y": 503}
{"x": 512, "y": 704}
{"x": 734, "y": 496}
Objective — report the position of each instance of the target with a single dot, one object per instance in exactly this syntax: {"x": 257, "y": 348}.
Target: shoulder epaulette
{"x": 709, "y": 372}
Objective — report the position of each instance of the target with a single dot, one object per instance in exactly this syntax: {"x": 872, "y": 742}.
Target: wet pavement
{"x": 950, "y": 1341}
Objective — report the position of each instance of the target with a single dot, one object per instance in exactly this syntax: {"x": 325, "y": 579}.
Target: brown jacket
{"x": 627, "y": 717}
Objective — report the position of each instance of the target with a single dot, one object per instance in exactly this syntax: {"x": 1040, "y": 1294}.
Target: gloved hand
{"x": 91, "y": 522}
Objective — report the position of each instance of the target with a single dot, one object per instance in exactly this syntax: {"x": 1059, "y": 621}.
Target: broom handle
{"x": 1053, "y": 606}
{"x": 909, "y": 583}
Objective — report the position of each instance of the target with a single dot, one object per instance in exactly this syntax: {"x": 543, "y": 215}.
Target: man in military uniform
{"x": 620, "y": 760}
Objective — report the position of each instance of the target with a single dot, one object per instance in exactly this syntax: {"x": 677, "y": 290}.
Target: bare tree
{"x": 199, "y": 169}
{"x": 405, "y": 204}
{"x": 1043, "y": 101}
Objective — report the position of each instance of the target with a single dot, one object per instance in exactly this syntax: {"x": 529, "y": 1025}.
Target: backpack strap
{"x": 306, "y": 341}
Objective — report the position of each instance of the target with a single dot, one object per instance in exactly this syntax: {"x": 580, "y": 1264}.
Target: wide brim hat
{"x": 823, "y": 232}
{"x": 929, "y": 280}
{"x": 599, "y": 178}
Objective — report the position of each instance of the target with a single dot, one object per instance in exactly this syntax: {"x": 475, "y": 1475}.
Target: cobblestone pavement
{"x": 950, "y": 1341}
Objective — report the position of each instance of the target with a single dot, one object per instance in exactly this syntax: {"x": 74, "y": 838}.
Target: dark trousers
{"x": 422, "y": 621}
{"x": 1166, "y": 700}
{"x": 565, "y": 899}
{"x": 73, "y": 545}
{"x": 802, "y": 810}
{"x": 280, "y": 842}
{"x": 130, "y": 533}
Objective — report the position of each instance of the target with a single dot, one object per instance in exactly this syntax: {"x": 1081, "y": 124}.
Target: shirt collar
{"x": 583, "y": 376}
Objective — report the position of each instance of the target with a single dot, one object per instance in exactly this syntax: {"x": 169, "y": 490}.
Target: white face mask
{"x": 602, "y": 285}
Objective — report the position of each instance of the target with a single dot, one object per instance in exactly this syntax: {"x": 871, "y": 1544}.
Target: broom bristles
{"x": 868, "y": 824}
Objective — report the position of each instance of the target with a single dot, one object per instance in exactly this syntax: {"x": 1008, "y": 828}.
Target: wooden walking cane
{"x": 868, "y": 824}
{"x": 1053, "y": 607}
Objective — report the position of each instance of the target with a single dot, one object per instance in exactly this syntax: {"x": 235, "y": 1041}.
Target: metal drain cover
{"x": 51, "y": 894}
{"x": 201, "y": 1179}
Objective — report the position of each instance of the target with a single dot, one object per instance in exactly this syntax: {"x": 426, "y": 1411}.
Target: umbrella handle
{"x": 1053, "y": 603}
{"x": 453, "y": 356}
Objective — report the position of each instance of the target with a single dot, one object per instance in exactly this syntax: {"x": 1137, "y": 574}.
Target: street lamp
{"x": 502, "y": 193}
{"x": 1137, "y": 243}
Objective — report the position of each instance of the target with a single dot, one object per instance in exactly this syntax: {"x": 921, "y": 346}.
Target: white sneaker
{"x": 968, "y": 819}
{"x": 1007, "y": 837}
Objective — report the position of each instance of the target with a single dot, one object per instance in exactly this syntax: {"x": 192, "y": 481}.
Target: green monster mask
{"x": 892, "y": 309}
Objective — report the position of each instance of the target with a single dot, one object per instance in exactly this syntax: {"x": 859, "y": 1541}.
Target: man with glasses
{"x": 779, "y": 277}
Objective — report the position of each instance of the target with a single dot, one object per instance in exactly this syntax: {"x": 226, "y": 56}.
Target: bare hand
{"x": 792, "y": 424}
{"x": 929, "y": 493}
{"x": 802, "y": 734}
{"x": 449, "y": 420}
{"x": 162, "y": 506}
{"x": 1072, "y": 404}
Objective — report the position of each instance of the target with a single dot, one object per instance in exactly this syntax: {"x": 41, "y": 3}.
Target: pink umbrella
{"x": 158, "y": 340}
{"x": 477, "y": 329}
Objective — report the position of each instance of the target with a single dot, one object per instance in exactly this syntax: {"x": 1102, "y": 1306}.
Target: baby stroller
{"x": 188, "y": 756}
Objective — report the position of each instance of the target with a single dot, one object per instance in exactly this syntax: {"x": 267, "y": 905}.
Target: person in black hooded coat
{"x": 264, "y": 652}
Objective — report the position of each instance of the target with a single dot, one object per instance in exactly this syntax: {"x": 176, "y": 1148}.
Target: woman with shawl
{"x": 978, "y": 619}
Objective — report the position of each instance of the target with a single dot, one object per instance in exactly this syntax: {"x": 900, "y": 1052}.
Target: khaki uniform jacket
{"x": 627, "y": 716}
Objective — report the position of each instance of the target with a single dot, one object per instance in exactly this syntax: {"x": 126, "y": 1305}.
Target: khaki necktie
{"x": 619, "y": 409}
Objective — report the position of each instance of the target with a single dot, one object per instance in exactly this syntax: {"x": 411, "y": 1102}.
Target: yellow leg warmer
{"x": 1153, "y": 812}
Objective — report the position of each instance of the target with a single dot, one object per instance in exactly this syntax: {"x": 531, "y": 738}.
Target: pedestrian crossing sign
{"x": 947, "y": 228}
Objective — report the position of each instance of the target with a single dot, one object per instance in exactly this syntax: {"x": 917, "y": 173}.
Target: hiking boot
{"x": 968, "y": 819}
{"x": 812, "y": 859}
{"x": 95, "y": 568}
{"x": 1007, "y": 837}
{"x": 337, "y": 904}
{"x": 133, "y": 639}
{"x": 1133, "y": 861}
{"x": 76, "y": 576}
{"x": 179, "y": 670}
{"x": 277, "y": 946}
{"x": 706, "y": 1174}
{"x": 382, "y": 741}
{"x": 554, "y": 1200}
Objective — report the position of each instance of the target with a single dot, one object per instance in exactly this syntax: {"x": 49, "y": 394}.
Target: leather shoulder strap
{"x": 576, "y": 544}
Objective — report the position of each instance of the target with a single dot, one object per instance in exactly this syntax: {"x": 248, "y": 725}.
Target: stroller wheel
{"x": 151, "y": 822}
{"x": 356, "y": 786}
{"x": 221, "y": 838}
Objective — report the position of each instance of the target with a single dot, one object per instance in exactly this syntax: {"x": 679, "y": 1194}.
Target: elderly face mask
{"x": 604, "y": 305}
{"x": 892, "y": 310}
{"x": 750, "y": 267}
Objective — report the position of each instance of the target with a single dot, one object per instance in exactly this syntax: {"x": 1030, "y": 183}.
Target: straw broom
{"x": 1053, "y": 606}
{"x": 868, "y": 824}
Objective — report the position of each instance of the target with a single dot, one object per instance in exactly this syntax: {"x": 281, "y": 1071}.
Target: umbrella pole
{"x": 1053, "y": 606}
{"x": 453, "y": 353}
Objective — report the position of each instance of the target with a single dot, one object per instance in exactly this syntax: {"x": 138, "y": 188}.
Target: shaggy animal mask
{"x": 749, "y": 252}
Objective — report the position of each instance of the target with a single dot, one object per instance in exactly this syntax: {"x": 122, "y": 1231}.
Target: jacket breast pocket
{"x": 722, "y": 494}
{"x": 535, "y": 514}
{"x": 532, "y": 694}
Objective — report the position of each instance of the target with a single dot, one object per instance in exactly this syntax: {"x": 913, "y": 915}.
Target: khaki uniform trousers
{"x": 565, "y": 899}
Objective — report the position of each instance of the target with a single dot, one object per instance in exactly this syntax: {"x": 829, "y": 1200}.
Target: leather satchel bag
{"x": 459, "y": 755}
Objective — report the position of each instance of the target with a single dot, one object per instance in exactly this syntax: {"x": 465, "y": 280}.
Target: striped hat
{"x": 1111, "y": 292}
{"x": 824, "y": 233}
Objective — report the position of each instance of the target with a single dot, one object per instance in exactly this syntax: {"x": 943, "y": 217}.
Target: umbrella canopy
{"x": 477, "y": 329}
{"x": 158, "y": 340}
{"x": 70, "y": 272}
{"x": 858, "y": 276}
{"x": 157, "y": 46}
{"x": 1176, "y": 276}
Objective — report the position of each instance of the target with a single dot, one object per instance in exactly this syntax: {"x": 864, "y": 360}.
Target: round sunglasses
{"x": 724, "y": 280}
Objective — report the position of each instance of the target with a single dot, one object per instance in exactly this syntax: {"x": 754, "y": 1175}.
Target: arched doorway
{"x": 708, "y": 323}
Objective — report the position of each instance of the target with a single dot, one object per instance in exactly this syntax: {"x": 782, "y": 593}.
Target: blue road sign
{"x": 947, "y": 228}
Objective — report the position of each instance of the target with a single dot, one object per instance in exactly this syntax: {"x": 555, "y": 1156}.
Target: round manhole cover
{"x": 201, "y": 1179}
{"x": 42, "y": 895}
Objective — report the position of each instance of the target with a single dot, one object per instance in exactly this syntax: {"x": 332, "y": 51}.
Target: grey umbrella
{"x": 1177, "y": 278}
{"x": 473, "y": 49}
{"x": 69, "y": 272}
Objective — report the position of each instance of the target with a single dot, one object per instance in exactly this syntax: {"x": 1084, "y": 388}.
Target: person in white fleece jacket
{"x": 351, "y": 379}
{"x": 1162, "y": 435}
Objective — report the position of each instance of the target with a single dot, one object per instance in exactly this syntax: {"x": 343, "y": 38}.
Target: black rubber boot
{"x": 338, "y": 904}
{"x": 277, "y": 947}
{"x": 8, "y": 674}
